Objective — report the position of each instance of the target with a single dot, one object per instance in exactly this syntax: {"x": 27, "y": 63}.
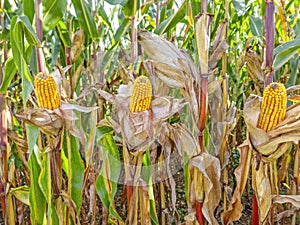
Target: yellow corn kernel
{"x": 46, "y": 91}
{"x": 141, "y": 94}
{"x": 273, "y": 106}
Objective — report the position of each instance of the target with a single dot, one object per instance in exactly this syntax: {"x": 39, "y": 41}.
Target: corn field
{"x": 154, "y": 112}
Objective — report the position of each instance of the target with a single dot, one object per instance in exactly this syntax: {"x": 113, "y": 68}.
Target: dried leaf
{"x": 209, "y": 166}
{"x": 77, "y": 45}
{"x": 293, "y": 199}
{"x": 168, "y": 59}
{"x": 202, "y": 40}
{"x": 254, "y": 66}
{"x": 219, "y": 47}
{"x": 48, "y": 121}
{"x": 262, "y": 187}
{"x": 71, "y": 206}
{"x": 184, "y": 140}
{"x": 84, "y": 109}
{"x": 235, "y": 209}
{"x": 168, "y": 74}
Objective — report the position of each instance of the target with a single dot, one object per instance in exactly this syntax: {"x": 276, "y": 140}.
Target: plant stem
{"x": 134, "y": 48}
{"x": 39, "y": 31}
{"x": 270, "y": 30}
{"x": 255, "y": 217}
{"x": 3, "y": 130}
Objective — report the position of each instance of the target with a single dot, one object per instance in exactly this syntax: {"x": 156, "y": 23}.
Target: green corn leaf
{"x": 53, "y": 11}
{"x": 63, "y": 34}
{"x": 240, "y": 7}
{"x": 131, "y": 7}
{"x": 104, "y": 16}
{"x": 76, "y": 171}
{"x": 294, "y": 71}
{"x": 9, "y": 73}
{"x": 116, "y": 2}
{"x": 110, "y": 170}
{"x": 120, "y": 32}
{"x": 85, "y": 18}
{"x": 36, "y": 196}
{"x": 28, "y": 9}
{"x": 20, "y": 25}
{"x": 171, "y": 22}
{"x": 285, "y": 53}
{"x": 256, "y": 25}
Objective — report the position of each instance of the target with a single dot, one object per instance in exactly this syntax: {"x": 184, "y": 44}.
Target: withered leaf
{"x": 48, "y": 121}
{"x": 77, "y": 45}
{"x": 210, "y": 167}
{"x": 235, "y": 209}
{"x": 262, "y": 188}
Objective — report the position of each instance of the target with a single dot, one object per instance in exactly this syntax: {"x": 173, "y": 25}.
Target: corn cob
{"x": 141, "y": 94}
{"x": 273, "y": 107}
{"x": 46, "y": 91}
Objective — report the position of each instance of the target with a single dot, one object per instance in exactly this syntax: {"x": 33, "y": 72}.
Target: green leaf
{"x": 286, "y": 45}
{"x": 171, "y": 22}
{"x": 36, "y": 197}
{"x": 196, "y": 7}
{"x": 45, "y": 177}
{"x": 131, "y": 7}
{"x": 256, "y": 26}
{"x": 85, "y": 18}
{"x": 120, "y": 32}
{"x": 240, "y": 7}
{"x": 108, "y": 56}
{"x": 110, "y": 170}
{"x": 104, "y": 16}
{"x": 32, "y": 136}
{"x": 20, "y": 25}
{"x": 285, "y": 52}
{"x": 293, "y": 78}
{"x": 76, "y": 171}
{"x": 53, "y": 11}
{"x": 28, "y": 9}
{"x": 9, "y": 73}
{"x": 63, "y": 34}
{"x": 117, "y": 2}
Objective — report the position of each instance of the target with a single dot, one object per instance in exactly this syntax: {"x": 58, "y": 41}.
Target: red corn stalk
{"x": 199, "y": 214}
{"x": 202, "y": 110}
{"x": 255, "y": 217}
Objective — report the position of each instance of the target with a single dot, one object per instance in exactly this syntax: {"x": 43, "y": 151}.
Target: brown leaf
{"x": 77, "y": 45}
{"x": 262, "y": 187}
{"x": 234, "y": 211}
{"x": 219, "y": 47}
{"x": 210, "y": 167}
{"x": 184, "y": 140}
{"x": 293, "y": 199}
{"x": 48, "y": 121}
{"x": 71, "y": 206}
{"x": 254, "y": 66}
{"x": 168, "y": 59}
{"x": 202, "y": 41}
